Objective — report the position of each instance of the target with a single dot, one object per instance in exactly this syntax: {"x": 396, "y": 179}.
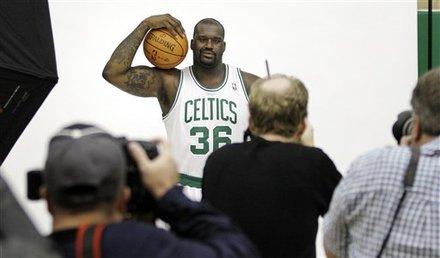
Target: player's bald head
{"x": 209, "y": 21}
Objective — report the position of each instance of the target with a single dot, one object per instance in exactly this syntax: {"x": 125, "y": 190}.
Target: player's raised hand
{"x": 165, "y": 21}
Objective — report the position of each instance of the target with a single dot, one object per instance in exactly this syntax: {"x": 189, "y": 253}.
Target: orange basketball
{"x": 164, "y": 50}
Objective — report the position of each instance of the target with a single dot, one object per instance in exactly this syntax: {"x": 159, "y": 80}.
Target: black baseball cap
{"x": 84, "y": 156}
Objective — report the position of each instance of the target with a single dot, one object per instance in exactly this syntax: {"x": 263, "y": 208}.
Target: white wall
{"x": 358, "y": 60}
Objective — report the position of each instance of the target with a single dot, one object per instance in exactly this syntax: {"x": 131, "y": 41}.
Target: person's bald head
{"x": 209, "y": 22}
{"x": 277, "y": 105}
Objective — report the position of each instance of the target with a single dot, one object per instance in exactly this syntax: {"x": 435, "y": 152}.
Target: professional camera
{"x": 403, "y": 126}
{"x": 141, "y": 202}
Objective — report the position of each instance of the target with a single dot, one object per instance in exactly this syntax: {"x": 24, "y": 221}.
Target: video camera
{"x": 141, "y": 201}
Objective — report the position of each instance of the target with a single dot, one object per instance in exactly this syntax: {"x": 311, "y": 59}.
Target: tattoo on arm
{"x": 142, "y": 81}
{"x": 125, "y": 52}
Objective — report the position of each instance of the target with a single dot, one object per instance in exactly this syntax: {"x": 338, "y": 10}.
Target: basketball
{"x": 164, "y": 50}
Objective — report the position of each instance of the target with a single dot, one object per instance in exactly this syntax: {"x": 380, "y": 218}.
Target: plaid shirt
{"x": 364, "y": 203}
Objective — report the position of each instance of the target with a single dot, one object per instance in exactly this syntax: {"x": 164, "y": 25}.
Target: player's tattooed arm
{"x": 142, "y": 80}
{"x": 248, "y": 80}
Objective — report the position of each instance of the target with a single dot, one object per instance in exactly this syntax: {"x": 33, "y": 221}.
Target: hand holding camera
{"x": 158, "y": 175}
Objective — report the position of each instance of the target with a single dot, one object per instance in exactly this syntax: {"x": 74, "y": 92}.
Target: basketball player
{"x": 204, "y": 106}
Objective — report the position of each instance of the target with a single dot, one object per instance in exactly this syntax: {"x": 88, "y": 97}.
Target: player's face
{"x": 208, "y": 45}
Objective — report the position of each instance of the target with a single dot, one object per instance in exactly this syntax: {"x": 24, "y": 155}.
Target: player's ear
{"x": 224, "y": 46}
{"x": 192, "y": 44}
{"x": 43, "y": 192}
{"x": 301, "y": 128}
{"x": 123, "y": 199}
{"x": 417, "y": 129}
{"x": 45, "y": 195}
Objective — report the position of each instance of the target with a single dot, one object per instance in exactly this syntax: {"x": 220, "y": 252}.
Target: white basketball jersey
{"x": 202, "y": 120}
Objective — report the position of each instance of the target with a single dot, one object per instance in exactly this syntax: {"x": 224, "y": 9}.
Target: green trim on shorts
{"x": 191, "y": 181}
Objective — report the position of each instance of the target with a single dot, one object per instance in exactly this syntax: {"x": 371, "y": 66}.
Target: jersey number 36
{"x": 219, "y": 138}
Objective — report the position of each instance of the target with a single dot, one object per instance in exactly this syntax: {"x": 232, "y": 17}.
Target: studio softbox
{"x": 27, "y": 66}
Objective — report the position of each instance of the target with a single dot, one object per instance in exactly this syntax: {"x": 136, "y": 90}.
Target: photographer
{"x": 388, "y": 203}
{"x": 86, "y": 194}
{"x": 277, "y": 185}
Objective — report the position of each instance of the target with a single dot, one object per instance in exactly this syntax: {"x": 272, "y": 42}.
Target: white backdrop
{"x": 357, "y": 58}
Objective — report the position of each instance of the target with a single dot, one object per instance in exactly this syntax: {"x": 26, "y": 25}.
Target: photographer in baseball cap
{"x": 85, "y": 169}
{"x": 84, "y": 186}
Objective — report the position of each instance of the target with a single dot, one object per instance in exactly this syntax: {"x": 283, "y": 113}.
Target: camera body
{"x": 141, "y": 201}
{"x": 403, "y": 125}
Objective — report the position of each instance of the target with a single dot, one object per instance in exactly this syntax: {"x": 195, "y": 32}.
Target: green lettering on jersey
{"x": 232, "y": 107}
{"x": 203, "y": 134}
{"x": 207, "y": 109}
{"x": 204, "y": 111}
{"x": 223, "y": 104}
{"x": 211, "y": 107}
{"x": 188, "y": 119}
{"x": 217, "y": 109}
{"x": 220, "y": 137}
{"x": 196, "y": 109}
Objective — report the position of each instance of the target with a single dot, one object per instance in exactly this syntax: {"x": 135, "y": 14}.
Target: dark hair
{"x": 426, "y": 102}
{"x": 210, "y": 21}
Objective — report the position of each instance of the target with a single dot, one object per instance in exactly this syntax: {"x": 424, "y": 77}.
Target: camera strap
{"x": 408, "y": 182}
{"x": 88, "y": 241}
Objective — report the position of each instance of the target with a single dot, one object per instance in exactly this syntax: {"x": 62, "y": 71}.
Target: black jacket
{"x": 274, "y": 191}
{"x": 197, "y": 232}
